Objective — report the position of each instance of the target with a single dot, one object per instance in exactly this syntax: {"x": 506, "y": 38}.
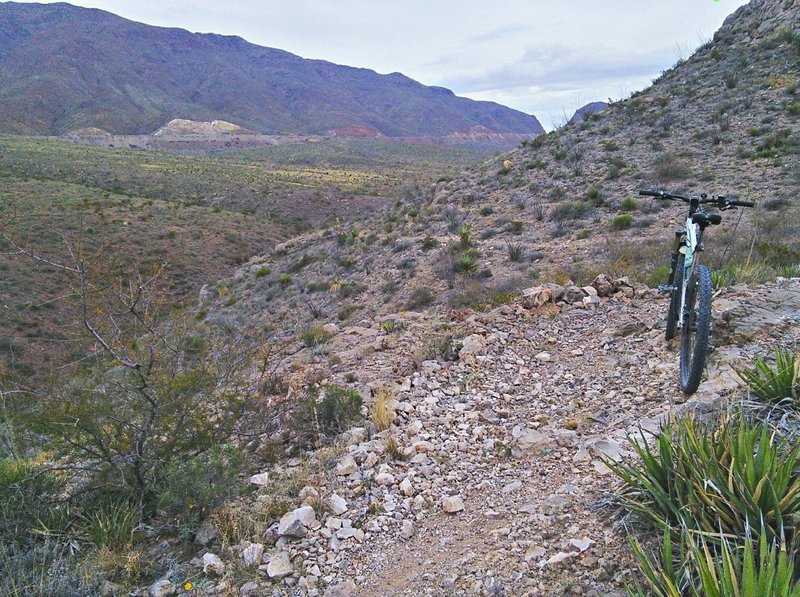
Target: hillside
{"x": 64, "y": 68}
{"x": 565, "y": 205}
{"x": 441, "y": 378}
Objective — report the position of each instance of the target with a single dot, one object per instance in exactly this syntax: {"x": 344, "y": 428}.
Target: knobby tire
{"x": 696, "y": 329}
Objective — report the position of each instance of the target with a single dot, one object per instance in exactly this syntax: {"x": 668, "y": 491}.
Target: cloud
{"x": 558, "y": 67}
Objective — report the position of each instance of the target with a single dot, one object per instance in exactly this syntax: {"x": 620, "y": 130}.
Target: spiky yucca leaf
{"x": 734, "y": 477}
{"x": 727, "y": 567}
{"x": 774, "y": 384}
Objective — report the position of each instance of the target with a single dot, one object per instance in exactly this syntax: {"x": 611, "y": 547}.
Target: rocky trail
{"x": 501, "y": 481}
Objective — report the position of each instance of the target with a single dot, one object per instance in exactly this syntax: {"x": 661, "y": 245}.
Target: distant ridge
{"x": 64, "y": 68}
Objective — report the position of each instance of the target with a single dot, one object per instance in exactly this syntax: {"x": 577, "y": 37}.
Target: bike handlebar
{"x": 720, "y": 201}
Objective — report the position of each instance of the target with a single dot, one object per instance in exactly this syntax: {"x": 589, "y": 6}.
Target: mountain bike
{"x": 689, "y": 283}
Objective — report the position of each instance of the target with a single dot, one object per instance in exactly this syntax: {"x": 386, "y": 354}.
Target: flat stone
{"x": 212, "y": 564}
{"x": 261, "y": 479}
{"x": 452, "y": 504}
{"x": 338, "y": 504}
{"x": 161, "y": 588}
{"x": 346, "y": 466}
{"x": 252, "y": 554}
{"x": 295, "y": 523}
{"x": 279, "y": 565}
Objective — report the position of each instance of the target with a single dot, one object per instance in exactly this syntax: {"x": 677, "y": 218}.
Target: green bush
{"x": 621, "y": 222}
{"x": 669, "y": 167}
{"x": 29, "y": 497}
{"x": 339, "y": 406}
{"x": 569, "y": 210}
{"x": 263, "y": 271}
{"x": 420, "y": 297}
{"x": 466, "y": 265}
{"x": 284, "y": 279}
{"x": 429, "y": 243}
{"x": 774, "y": 384}
{"x": 628, "y": 204}
{"x": 486, "y": 210}
{"x": 595, "y": 196}
{"x": 191, "y": 489}
{"x": 314, "y": 335}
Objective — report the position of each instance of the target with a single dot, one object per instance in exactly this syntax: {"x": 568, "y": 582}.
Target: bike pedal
{"x": 665, "y": 288}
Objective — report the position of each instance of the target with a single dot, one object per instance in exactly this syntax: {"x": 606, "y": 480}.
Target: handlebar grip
{"x": 743, "y": 203}
{"x": 651, "y": 193}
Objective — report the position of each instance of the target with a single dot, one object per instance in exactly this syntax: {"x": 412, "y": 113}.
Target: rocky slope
{"x": 565, "y": 205}
{"x": 64, "y": 68}
{"x": 494, "y": 484}
{"x": 496, "y": 481}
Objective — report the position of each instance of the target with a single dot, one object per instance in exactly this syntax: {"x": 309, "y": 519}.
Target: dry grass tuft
{"x": 382, "y": 414}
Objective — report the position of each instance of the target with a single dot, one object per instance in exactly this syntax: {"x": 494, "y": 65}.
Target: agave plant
{"x": 774, "y": 384}
{"x": 696, "y": 568}
{"x": 730, "y": 479}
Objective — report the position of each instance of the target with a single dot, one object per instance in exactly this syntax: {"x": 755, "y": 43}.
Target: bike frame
{"x": 692, "y": 245}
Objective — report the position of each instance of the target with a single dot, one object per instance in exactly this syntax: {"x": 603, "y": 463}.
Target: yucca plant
{"x": 774, "y": 384}
{"x": 696, "y": 568}
{"x": 731, "y": 478}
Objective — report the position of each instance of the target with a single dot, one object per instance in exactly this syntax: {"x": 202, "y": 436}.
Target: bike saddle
{"x": 705, "y": 219}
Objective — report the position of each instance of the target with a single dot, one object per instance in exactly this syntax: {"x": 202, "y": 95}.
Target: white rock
{"x": 406, "y": 487}
{"x": 582, "y": 544}
{"x": 261, "y": 479}
{"x": 407, "y": 529}
{"x": 513, "y": 486}
{"x": 295, "y": 523}
{"x": 544, "y": 357}
{"x": 161, "y": 588}
{"x": 384, "y": 479}
{"x": 279, "y": 565}
{"x": 252, "y": 554}
{"x": 452, "y": 504}
{"x": 558, "y": 558}
{"x": 309, "y": 495}
{"x": 346, "y": 466}
{"x": 338, "y": 504}
{"x": 212, "y": 564}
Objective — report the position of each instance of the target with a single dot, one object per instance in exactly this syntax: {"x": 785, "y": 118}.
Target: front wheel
{"x": 696, "y": 328}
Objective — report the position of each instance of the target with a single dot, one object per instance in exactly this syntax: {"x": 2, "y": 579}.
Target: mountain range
{"x": 64, "y": 68}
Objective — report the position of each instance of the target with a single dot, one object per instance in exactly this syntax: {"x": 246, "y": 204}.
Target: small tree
{"x": 154, "y": 388}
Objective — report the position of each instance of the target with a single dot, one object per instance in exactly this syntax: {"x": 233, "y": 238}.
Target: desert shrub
{"x": 610, "y": 145}
{"x": 314, "y": 335}
{"x": 29, "y": 497}
{"x": 781, "y": 141}
{"x": 628, "y": 204}
{"x": 613, "y": 172}
{"x": 621, "y": 222}
{"x": 284, "y": 279}
{"x": 194, "y": 487}
{"x": 669, "y": 167}
{"x": 774, "y": 384}
{"x": 263, "y": 271}
{"x": 516, "y": 251}
{"x": 338, "y": 407}
{"x": 569, "y": 210}
{"x": 348, "y": 289}
{"x": 429, "y": 243}
{"x": 515, "y": 226}
{"x": 658, "y": 275}
{"x": 420, "y": 297}
{"x": 41, "y": 570}
{"x": 583, "y": 233}
{"x": 346, "y": 311}
{"x": 489, "y": 233}
{"x": 466, "y": 237}
{"x": 303, "y": 261}
{"x": 318, "y": 286}
{"x": 486, "y": 210}
{"x": 594, "y": 195}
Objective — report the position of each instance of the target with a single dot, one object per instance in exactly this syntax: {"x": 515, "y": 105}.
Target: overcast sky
{"x": 544, "y": 57}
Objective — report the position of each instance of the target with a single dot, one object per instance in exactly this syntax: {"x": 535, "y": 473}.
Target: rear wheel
{"x": 696, "y": 328}
{"x": 675, "y": 298}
